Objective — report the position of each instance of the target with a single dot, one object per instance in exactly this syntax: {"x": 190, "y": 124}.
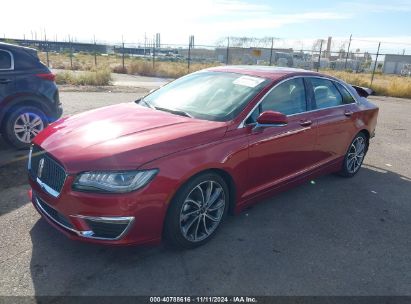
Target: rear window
{"x": 325, "y": 93}
{"x": 5, "y": 60}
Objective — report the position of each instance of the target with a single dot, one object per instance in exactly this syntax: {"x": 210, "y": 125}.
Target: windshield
{"x": 214, "y": 96}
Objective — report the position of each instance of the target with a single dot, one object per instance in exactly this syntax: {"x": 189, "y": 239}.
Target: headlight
{"x": 115, "y": 182}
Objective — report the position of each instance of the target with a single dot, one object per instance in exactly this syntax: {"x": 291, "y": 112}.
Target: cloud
{"x": 274, "y": 21}
{"x": 373, "y": 7}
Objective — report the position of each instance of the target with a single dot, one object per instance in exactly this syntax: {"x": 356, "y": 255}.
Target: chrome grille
{"x": 46, "y": 171}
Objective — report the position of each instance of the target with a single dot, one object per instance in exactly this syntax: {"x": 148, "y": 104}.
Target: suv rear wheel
{"x": 22, "y": 125}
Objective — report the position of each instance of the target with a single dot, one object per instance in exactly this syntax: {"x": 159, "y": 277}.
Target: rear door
{"x": 7, "y": 78}
{"x": 335, "y": 116}
{"x": 279, "y": 153}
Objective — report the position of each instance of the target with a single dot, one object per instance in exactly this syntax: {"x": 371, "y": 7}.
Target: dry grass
{"x": 385, "y": 85}
{"x": 164, "y": 69}
{"x": 388, "y": 85}
{"x": 85, "y": 62}
{"x": 100, "y": 77}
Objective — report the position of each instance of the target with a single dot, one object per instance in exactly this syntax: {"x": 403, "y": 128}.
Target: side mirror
{"x": 271, "y": 119}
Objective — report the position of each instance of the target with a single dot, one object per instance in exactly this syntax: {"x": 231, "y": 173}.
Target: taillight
{"x": 48, "y": 76}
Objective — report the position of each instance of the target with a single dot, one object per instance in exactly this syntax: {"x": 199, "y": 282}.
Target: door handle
{"x": 5, "y": 81}
{"x": 348, "y": 113}
{"x": 305, "y": 123}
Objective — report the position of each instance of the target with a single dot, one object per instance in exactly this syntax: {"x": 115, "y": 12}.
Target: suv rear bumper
{"x": 57, "y": 112}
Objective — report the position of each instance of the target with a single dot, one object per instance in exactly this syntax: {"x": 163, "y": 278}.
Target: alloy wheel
{"x": 202, "y": 211}
{"x": 356, "y": 154}
{"x": 27, "y": 126}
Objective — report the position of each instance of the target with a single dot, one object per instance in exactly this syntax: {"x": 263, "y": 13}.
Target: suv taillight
{"x": 48, "y": 76}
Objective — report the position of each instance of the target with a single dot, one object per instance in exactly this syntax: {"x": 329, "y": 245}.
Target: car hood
{"x": 123, "y": 136}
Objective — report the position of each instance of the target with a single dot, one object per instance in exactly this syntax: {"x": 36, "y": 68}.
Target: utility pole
{"x": 348, "y": 51}
{"x": 375, "y": 63}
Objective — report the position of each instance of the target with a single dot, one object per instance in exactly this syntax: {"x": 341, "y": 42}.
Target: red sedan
{"x": 174, "y": 163}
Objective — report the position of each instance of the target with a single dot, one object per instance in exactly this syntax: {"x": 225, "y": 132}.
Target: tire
{"x": 353, "y": 159}
{"x": 22, "y": 125}
{"x": 191, "y": 223}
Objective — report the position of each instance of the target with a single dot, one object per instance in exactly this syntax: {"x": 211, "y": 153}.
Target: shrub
{"x": 100, "y": 77}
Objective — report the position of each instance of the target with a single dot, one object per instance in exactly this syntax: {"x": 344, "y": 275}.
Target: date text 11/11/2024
{"x": 209, "y": 299}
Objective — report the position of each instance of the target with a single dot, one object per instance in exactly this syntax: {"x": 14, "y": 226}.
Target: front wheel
{"x": 197, "y": 211}
{"x": 355, "y": 156}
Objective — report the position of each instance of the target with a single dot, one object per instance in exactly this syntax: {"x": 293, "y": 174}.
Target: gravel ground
{"x": 333, "y": 237}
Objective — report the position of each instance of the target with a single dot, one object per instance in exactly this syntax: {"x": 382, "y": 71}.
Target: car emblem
{"x": 40, "y": 168}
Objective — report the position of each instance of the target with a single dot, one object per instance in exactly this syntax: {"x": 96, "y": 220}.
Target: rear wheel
{"x": 355, "y": 155}
{"x": 22, "y": 125}
{"x": 197, "y": 211}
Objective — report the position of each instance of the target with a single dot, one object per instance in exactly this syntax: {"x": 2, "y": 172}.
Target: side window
{"x": 347, "y": 97}
{"x": 253, "y": 117}
{"x": 5, "y": 60}
{"x": 325, "y": 93}
{"x": 287, "y": 98}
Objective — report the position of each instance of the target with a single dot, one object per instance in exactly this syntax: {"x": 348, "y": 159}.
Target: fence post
{"x": 189, "y": 54}
{"x": 95, "y": 52}
{"x": 348, "y": 51}
{"x": 375, "y": 63}
{"x": 271, "y": 51}
{"x": 47, "y": 53}
{"x": 319, "y": 55}
{"x": 154, "y": 54}
{"x": 122, "y": 51}
{"x": 228, "y": 47}
{"x": 145, "y": 44}
{"x": 71, "y": 54}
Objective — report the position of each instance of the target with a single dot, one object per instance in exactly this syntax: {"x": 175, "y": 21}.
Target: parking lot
{"x": 331, "y": 236}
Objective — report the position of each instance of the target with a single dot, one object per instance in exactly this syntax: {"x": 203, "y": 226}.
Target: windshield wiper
{"x": 177, "y": 112}
{"x": 142, "y": 100}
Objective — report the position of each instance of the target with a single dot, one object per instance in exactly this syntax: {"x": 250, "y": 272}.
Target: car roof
{"x": 269, "y": 72}
{"x": 8, "y": 46}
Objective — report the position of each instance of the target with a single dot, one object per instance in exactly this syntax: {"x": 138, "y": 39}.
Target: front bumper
{"x": 126, "y": 219}
{"x": 96, "y": 228}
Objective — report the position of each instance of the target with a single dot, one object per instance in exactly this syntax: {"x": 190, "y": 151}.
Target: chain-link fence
{"x": 364, "y": 62}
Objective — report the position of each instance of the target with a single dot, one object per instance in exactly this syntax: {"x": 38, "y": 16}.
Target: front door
{"x": 278, "y": 153}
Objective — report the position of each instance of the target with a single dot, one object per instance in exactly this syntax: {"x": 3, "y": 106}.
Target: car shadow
{"x": 13, "y": 174}
{"x": 331, "y": 236}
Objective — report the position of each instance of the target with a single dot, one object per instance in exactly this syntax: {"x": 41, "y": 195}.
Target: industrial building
{"x": 397, "y": 64}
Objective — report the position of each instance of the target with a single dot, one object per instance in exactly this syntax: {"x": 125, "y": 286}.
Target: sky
{"x": 296, "y": 23}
